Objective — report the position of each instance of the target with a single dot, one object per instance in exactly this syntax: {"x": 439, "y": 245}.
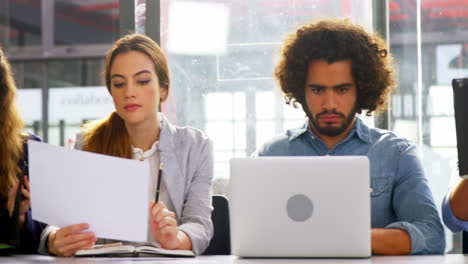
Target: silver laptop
{"x": 300, "y": 207}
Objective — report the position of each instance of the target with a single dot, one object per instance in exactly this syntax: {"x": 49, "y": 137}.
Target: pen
{"x": 158, "y": 187}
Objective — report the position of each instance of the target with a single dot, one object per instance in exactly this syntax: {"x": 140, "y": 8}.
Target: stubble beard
{"x": 330, "y": 131}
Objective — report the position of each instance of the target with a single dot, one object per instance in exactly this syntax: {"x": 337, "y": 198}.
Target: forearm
{"x": 386, "y": 241}
{"x": 458, "y": 199}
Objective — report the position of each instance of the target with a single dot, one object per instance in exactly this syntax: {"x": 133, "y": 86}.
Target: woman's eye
{"x": 144, "y": 82}
{"x": 118, "y": 85}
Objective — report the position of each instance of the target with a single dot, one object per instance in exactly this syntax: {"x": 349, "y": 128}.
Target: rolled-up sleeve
{"x": 44, "y": 238}
{"x": 415, "y": 208}
{"x": 450, "y": 220}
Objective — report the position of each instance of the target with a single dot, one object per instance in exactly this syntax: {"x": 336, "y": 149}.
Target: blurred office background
{"x": 221, "y": 55}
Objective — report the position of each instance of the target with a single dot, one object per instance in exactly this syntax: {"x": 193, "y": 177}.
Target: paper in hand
{"x": 71, "y": 187}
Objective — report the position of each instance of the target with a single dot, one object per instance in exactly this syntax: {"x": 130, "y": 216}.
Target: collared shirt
{"x": 400, "y": 196}
{"x": 152, "y": 155}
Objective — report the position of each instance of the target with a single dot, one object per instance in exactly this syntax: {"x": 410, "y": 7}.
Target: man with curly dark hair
{"x": 335, "y": 69}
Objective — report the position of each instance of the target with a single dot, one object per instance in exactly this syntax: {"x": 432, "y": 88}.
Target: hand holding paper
{"x": 70, "y": 187}
{"x": 66, "y": 241}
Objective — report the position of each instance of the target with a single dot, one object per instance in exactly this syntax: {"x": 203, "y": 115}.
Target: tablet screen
{"x": 460, "y": 99}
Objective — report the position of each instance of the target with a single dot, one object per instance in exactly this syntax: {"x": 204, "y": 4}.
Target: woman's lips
{"x": 132, "y": 107}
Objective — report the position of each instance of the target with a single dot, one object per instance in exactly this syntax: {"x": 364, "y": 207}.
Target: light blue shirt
{"x": 400, "y": 196}
{"x": 452, "y": 222}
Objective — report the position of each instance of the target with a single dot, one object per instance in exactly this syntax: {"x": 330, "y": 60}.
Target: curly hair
{"x": 335, "y": 40}
{"x": 11, "y": 138}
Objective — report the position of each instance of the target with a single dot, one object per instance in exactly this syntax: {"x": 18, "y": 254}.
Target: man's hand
{"x": 386, "y": 241}
{"x": 458, "y": 199}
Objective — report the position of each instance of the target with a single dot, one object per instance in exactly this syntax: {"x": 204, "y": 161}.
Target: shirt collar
{"x": 360, "y": 128}
{"x": 138, "y": 152}
{"x": 298, "y": 131}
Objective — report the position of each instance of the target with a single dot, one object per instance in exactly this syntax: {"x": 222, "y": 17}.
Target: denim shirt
{"x": 400, "y": 197}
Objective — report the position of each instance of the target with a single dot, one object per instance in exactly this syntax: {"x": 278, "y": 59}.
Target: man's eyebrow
{"x": 318, "y": 86}
{"x": 343, "y": 85}
{"x": 313, "y": 85}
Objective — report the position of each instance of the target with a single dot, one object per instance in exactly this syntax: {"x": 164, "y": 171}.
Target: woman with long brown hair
{"x": 16, "y": 225}
{"x": 137, "y": 77}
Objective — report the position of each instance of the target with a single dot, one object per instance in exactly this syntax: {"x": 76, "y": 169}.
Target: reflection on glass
{"x": 76, "y": 94}
{"x": 28, "y": 80}
{"x": 221, "y": 56}
{"x": 187, "y": 38}
{"x": 77, "y": 72}
{"x": 86, "y": 22}
{"x": 20, "y": 26}
{"x": 69, "y": 107}
{"x": 444, "y": 55}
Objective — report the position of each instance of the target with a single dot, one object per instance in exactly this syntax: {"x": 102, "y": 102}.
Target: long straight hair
{"x": 11, "y": 143}
{"x": 109, "y": 136}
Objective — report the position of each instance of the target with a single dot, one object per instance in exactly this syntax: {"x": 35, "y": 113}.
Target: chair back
{"x": 220, "y": 244}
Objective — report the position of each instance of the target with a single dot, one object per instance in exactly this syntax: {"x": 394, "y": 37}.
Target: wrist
{"x": 50, "y": 243}
{"x": 183, "y": 241}
{"x": 22, "y": 220}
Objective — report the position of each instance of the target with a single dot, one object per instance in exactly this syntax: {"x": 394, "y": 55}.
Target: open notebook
{"x": 131, "y": 251}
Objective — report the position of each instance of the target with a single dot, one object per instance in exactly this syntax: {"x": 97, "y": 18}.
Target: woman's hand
{"x": 163, "y": 225}
{"x": 25, "y": 202}
{"x": 66, "y": 241}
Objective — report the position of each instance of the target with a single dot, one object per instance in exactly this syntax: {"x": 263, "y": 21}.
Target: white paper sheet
{"x": 71, "y": 186}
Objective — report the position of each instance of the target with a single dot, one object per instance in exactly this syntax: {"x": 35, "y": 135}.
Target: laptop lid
{"x": 300, "y": 207}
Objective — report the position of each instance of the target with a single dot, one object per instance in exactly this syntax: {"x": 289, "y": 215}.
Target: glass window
{"x": 75, "y": 72}
{"x": 28, "y": 80}
{"x": 76, "y": 94}
{"x": 20, "y": 26}
{"x": 422, "y": 106}
{"x": 85, "y": 22}
{"x": 222, "y": 54}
